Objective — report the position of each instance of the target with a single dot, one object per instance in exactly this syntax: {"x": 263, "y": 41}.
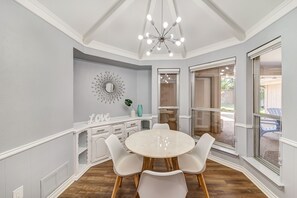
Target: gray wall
{"x": 137, "y": 88}
{"x": 144, "y": 90}
{"x": 36, "y": 75}
{"x": 36, "y": 98}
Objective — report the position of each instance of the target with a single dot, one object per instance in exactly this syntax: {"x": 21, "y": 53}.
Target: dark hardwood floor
{"x": 221, "y": 181}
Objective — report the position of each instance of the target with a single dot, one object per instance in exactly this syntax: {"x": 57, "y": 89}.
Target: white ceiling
{"x": 207, "y": 25}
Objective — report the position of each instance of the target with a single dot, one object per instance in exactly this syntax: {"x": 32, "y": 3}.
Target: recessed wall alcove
{"x": 136, "y": 80}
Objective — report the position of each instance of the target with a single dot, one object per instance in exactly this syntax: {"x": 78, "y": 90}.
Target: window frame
{"x": 211, "y": 65}
{"x": 257, "y": 115}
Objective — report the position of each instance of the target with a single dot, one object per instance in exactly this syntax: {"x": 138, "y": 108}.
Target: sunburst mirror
{"x": 108, "y": 87}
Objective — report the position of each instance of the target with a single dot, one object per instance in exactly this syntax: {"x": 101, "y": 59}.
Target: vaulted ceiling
{"x": 207, "y": 25}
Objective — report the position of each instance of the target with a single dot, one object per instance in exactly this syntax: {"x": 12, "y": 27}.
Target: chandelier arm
{"x": 156, "y": 29}
{"x": 167, "y": 47}
{"x": 154, "y": 46}
{"x": 174, "y": 24}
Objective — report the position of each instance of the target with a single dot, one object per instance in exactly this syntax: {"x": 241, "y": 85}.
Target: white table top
{"x": 160, "y": 143}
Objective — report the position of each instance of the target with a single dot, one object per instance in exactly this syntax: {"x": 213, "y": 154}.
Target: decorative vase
{"x": 139, "y": 110}
{"x": 132, "y": 113}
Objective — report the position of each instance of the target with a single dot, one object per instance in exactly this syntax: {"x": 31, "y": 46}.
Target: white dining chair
{"x": 194, "y": 162}
{"x": 124, "y": 163}
{"x": 162, "y": 184}
{"x": 161, "y": 126}
{"x": 168, "y": 161}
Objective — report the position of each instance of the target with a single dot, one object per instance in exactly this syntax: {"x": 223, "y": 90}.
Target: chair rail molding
{"x": 30, "y": 145}
{"x": 288, "y": 141}
{"x": 247, "y": 126}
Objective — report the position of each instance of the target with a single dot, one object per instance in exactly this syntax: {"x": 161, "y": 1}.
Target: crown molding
{"x": 38, "y": 9}
{"x": 213, "y": 47}
{"x": 111, "y": 49}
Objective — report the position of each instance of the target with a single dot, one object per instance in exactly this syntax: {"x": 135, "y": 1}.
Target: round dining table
{"x": 159, "y": 143}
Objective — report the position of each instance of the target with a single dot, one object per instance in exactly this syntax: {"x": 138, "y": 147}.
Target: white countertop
{"x": 79, "y": 126}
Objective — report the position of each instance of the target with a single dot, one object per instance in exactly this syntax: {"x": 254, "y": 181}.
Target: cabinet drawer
{"x": 132, "y": 124}
{"x": 99, "y": 130}
{"x": 118, "y": 129}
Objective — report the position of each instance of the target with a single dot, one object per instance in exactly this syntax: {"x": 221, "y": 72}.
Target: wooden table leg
{"x": 175, "y": 163}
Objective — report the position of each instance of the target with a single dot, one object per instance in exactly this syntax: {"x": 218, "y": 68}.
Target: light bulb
{"x": 178, "y": 20}
{"x": 171, "y": 36}
{"x": 149, "y": 17}
{"x": 149, "y": 41}
{"x": 170, "y": 54}
{"x": 178, "y": 43}
{"x": 182, "y": 39}
{"x": 140, "y": 37}
{"x": 148, "y": 53}
{"x": 158, "y": 48}
{"x": 147, "y": 34}
{"x": 165, "y": 25}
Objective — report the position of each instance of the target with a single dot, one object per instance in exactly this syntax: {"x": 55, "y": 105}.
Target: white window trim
{"x": 274, "y": 44}
{"x": 171, "y": 71}
{"x": 219, "y": 63}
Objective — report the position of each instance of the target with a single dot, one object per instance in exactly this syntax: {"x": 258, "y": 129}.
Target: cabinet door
{"x": 99, "y": 148}
{"x": 131, "y": 131}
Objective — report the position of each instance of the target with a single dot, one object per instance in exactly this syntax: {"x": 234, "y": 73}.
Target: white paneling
{"x": 2, "y": 179}
{"x": 17, "y": 172}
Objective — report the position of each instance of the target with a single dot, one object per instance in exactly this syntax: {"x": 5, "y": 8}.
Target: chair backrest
{"x": 115, "y": 148}
{"x": 162, "y": 184}
{"x": 203, "y": 146}
{"x": 161, "y": 126}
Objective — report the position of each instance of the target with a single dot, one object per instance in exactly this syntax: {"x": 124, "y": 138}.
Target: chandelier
{"x": 162, "y": 36}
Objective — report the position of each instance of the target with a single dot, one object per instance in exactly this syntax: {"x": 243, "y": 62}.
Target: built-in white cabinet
{"x": 82, "y": 150}
{"x": 99, "y": 148}
{"x": 132, "y": 127}
{"x": 91, "y": 146}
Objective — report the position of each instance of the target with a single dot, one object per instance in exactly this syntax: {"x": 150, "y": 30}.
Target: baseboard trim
{"x": 30, "y": 145}
{"x": 249, "y": 175}
{"x": 62, "y": 188}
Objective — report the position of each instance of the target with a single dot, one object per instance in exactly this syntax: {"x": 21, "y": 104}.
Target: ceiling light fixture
{"x": 162, "y": 38}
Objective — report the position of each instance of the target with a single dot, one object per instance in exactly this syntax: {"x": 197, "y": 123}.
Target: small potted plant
{"x": 129, "y": 103}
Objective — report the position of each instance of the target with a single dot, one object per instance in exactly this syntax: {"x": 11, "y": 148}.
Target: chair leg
{"x": 199, "y": 181}
{"x": 203, "y": 185}
{"x": 136, "y": 180}
{"x": 116, "y": 186}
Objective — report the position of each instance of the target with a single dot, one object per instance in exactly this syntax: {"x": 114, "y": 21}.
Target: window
{"x": 267, "y": 75}
{"x": 213, "y": 99}
{"x": 169, "y": 97}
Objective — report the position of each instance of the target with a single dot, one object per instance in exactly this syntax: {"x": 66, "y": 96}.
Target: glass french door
{"x": 168, "y": 110}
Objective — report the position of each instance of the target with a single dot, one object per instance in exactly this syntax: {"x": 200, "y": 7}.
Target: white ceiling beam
{"x": 174, "y": 15}
{"x": 115, "y": 9}
{"x": 238, "y": 32}
{"x": 150, "y": 8}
